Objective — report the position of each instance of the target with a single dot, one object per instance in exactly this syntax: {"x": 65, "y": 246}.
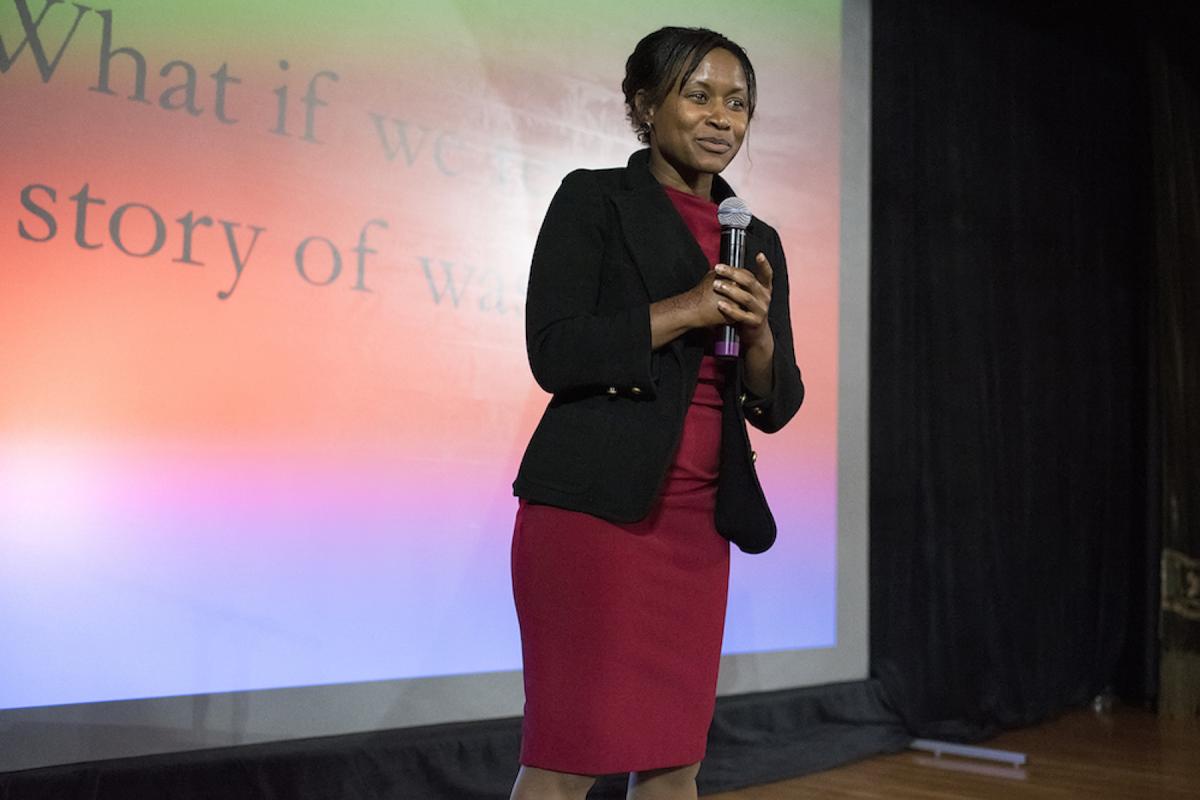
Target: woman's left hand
{"x": 746, "y": 299}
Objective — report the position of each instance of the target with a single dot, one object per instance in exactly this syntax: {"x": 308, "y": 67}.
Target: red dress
{"x": 621, "y": 624}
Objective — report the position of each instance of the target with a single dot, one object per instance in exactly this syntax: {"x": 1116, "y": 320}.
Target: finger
{"x": 746, "y": 277}
{"x": 732, "y": 312}
{"x": 743, "y": 277}
{"x": 738, "y": 315}
{"x": 732, "y": 291}
{"x": 753, "y": 300}
{"x": 753, "y": 284}
{"x": 766, "y": 274}
{"x": 747, "y": 280}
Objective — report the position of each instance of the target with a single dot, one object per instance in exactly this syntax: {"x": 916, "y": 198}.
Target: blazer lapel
{"x": 663, "y": 249}
{"x": 666, "y": 254}
{"x": 659, "y": 242}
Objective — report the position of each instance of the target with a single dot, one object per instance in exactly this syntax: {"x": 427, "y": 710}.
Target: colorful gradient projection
{"x": 263, "y": 387}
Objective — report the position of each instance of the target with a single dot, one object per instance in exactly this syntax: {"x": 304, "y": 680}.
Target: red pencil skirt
{"x": 621, "y": 624}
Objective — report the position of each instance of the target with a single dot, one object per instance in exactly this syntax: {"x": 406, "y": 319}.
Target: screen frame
{"x": 50, "y": 735}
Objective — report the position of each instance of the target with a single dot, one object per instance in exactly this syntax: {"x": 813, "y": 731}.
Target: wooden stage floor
{"x": 1123, "y": 754}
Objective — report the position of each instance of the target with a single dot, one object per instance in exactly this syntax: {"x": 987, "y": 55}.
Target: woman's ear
{"x": 645, "y": 112}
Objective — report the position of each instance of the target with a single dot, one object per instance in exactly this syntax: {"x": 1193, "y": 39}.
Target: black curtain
{"x": 1009, "y": 296}
{"x": 1174, "y": 79}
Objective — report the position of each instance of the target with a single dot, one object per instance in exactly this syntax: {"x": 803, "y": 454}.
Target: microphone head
{"x": 733, "y": 213}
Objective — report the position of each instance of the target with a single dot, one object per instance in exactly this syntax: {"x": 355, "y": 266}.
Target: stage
{"x": 1127, "y": 753}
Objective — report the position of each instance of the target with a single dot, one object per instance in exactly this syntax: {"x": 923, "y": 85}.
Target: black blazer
{"x": 611, "y": 244}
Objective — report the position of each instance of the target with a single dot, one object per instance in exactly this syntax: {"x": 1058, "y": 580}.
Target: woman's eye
{"x": 737, "y": 103}
{"x": 699, "y": 97}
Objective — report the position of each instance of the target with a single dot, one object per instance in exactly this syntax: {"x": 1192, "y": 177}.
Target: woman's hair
{"x": 663, "y": 61}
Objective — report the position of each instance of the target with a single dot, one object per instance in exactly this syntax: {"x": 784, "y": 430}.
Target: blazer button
{"x": 758, "y": 412}
{"x": 753, "y": 456}
{"x": 635, "y": 391}
{"x": 742, "y": 399}
{"x": 611, "y": 390}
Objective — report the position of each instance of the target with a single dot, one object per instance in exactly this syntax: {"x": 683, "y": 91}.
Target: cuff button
{"x": 611, "y": 390}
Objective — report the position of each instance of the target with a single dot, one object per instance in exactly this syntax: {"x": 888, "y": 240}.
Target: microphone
{"x": 734, "y": 216}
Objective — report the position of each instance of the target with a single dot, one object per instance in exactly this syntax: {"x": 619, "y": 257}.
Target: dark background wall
{"x": 1016, "y": 461}
{"x": 1173, "y": 63}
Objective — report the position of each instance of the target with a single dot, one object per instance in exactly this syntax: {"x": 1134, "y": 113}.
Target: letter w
{"x": 451, "y": 287}
{"x": 402, "y": 143}
{"x": 30, "y": 25}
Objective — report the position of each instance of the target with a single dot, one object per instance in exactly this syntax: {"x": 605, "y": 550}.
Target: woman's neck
{"x": 697, "y": 183}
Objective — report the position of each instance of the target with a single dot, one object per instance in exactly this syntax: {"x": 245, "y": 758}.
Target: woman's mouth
{"x": 712, "y": 145}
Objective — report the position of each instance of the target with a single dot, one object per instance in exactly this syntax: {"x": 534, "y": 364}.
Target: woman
{"x": 640, "y": 472}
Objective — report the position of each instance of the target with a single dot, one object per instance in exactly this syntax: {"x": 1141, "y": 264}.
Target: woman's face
{"x": 700, "y": 128}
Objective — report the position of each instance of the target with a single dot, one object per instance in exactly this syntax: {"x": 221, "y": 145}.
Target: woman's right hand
{"x": 703, "y": 299}
{"x": 695, "y": 308}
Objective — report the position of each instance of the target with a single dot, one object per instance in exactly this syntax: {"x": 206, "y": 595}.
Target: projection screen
{"x": 263, "y": 386}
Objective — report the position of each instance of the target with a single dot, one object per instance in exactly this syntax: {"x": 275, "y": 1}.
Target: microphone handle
{"x": 733, "y": 253}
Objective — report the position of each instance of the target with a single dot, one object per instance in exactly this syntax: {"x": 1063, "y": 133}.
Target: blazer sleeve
{"x": 772, "y": 412}
{"x": 570, "y": 345}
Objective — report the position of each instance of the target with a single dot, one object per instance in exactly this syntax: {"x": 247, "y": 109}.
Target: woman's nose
{"x": 719, "y": 119}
